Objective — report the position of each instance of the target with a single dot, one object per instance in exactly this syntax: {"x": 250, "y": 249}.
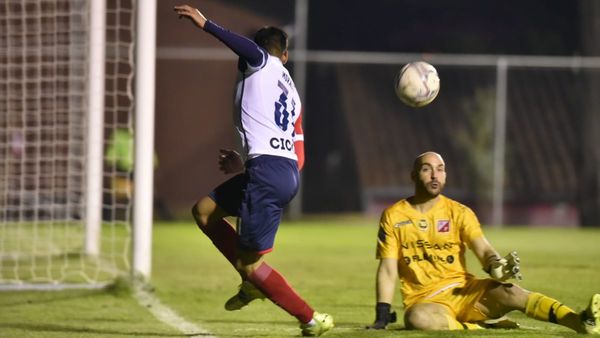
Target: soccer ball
{"x": 417, "y": 84}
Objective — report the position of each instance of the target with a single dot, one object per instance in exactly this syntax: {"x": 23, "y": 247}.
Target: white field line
{"x": 167, "y": 315}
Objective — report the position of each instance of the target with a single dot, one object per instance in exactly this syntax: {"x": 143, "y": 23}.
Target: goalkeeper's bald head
{"x": 419, "y": 160}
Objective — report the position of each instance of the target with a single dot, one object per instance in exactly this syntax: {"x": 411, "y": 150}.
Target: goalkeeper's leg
{"x": 433, "y": 316}
{"x": 545, "y": 308}
{"x": 505, "y": 297}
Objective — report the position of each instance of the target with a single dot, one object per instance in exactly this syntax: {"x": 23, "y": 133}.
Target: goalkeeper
{"x": 422, "y": 241}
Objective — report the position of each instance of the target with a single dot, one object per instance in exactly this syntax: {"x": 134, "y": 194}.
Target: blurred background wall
{"x": 361, "y": 141}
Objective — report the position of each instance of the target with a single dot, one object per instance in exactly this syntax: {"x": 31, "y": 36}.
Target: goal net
{"x": 51, "y": 177}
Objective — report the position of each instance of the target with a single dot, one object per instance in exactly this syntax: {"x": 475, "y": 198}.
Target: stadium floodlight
{"x": 66, "y": 143}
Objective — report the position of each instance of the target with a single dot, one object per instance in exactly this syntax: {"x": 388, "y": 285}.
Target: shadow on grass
{"x": 120, "y": 288}
{"x": 251, "y": 322}
{"x": 81, "y": 330}
{"x": 44, "y": 297}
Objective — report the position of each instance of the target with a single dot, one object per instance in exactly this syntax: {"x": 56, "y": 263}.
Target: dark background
{"x": 465, "y": 26}
{"x": 194, "y": 96}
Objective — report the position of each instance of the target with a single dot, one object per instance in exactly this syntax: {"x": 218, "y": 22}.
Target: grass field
{"x": 331, "y": 264}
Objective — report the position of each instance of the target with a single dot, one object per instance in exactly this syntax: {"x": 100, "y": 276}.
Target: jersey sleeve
{"x": 388, "y": 240}
{"x": 470, "y": 226}
{"x": 299, "y": 142}
{"x": 245, "y": 48}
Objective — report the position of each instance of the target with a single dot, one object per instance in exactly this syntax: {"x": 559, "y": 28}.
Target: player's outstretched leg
{"x": 320, "y": 324}
{"x": 275, "y": 287}
{"x": 247, "y": 293}
{"x": 590, "y": 317}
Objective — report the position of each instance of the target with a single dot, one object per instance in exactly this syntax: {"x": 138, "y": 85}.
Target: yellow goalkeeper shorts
{"x": 462, "y": 298}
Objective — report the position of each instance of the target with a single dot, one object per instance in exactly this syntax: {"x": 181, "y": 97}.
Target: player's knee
{"x": 202, "y": 210}
{"x": 502, "y": 298}
{"x": 420, "y": 319}
{"x": 515, "y": 297}
{"x": 196, "y": 213}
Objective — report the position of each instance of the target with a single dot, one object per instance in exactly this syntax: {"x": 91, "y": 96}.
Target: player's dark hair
{"x": 272, "y": 39}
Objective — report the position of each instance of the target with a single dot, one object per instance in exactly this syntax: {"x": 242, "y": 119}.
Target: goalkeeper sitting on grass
{"x": 422, "y": 241}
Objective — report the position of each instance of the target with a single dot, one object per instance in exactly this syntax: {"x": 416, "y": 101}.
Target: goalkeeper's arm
{"x": 504, "y": 268}
{"x": 387, "y": 274}
{"x": 498, "y": 267}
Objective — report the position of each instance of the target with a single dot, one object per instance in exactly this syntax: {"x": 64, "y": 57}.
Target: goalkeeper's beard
{"x": 430, "y": 189}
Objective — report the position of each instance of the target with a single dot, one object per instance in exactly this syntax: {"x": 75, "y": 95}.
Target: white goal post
{"x": 69, "y": 125}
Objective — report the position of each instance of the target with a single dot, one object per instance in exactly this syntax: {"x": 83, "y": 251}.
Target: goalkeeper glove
{"x": 504, "y": 268}
{"x": 383, "y": 316}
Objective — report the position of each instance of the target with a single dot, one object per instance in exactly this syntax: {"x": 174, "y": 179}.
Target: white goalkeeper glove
{"x": 502, "y": 269}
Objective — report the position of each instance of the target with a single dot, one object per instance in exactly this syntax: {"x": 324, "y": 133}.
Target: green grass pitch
{"x": 330, "y": 262}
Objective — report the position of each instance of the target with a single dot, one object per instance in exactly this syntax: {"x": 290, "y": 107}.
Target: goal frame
{"x": 144, "y": 101}
{"x": 145, "y": 76}
{"x": 144, "y": 138}
{"x": 143, "y": 192}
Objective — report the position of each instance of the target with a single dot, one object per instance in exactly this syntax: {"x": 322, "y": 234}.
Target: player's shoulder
{"x": 399, "y": 207}
{"x": 273, "y": 61}
{"x": 455, "y": 206}
{"x": 245, "y": 67}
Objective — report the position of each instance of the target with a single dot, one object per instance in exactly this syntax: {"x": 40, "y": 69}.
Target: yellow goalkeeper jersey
{"x": 430, "y": 247}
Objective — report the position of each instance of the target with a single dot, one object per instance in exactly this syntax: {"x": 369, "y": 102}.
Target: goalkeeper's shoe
{"x": 247, "y": 293}
{"x": 320, "y": 324}
{"x": 500, "y": 323}
{"x": 590, "y": 317}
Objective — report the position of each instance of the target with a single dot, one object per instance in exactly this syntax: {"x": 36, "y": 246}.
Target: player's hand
{"x": 185, "y": 11}
{"x": 505, "y": 268}
{"x": 383, "y": 317}
{"x": 230, "y": 161}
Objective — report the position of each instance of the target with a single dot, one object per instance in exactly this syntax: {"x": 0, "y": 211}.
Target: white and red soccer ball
{"x": 417, "y": 84}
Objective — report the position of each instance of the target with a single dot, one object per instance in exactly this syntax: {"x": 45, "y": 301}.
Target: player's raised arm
{"x": 185, "y": 11}
{"x": 242, "y": 46}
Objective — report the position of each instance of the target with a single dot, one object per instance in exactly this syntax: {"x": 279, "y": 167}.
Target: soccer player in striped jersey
{"x": 269, "y": 123}
{"x": 422, "y": 241}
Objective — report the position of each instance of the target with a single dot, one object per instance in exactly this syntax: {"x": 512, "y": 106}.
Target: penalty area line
{"x": 168, "y": 315}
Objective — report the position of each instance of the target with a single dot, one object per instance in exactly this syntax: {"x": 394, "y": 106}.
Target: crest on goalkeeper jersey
{"x": 443, "y": 225}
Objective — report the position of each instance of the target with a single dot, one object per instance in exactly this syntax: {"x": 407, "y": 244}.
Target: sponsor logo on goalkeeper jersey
{"x": 397, "y": 225}
{"x": 443, "y": 225}
{"x": 429, "y": 258}
{"x": 423, "y": 244}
